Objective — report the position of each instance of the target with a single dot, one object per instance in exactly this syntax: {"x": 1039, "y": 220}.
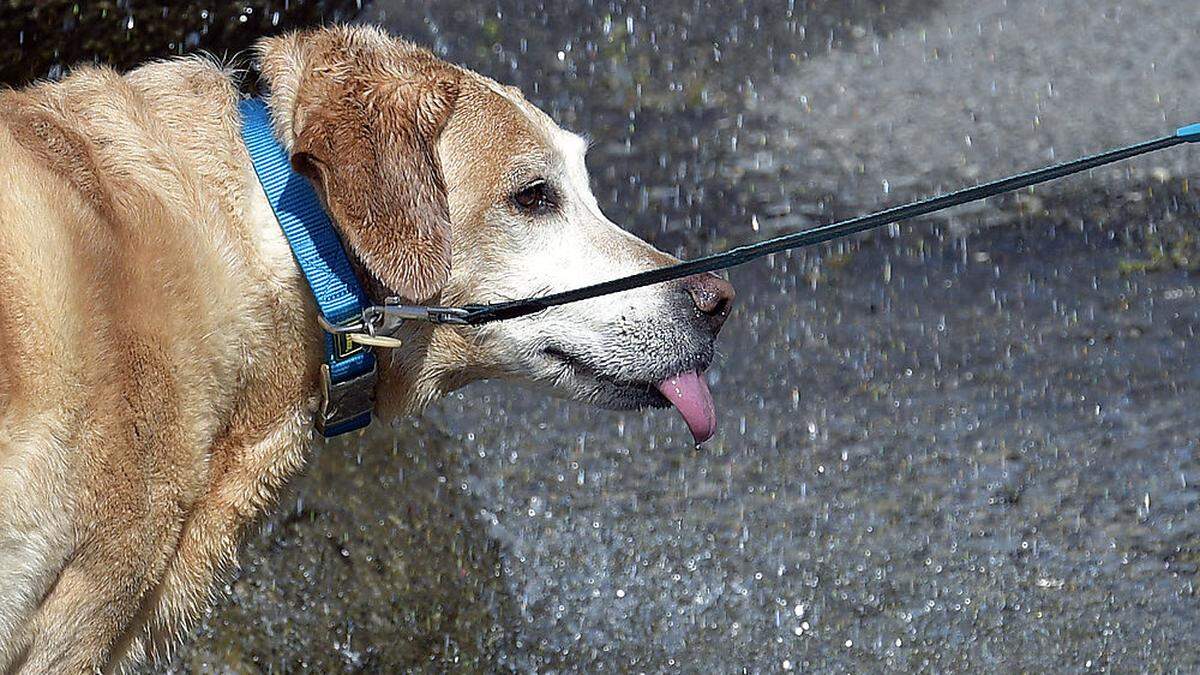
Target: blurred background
{"x": 963, "y": 444}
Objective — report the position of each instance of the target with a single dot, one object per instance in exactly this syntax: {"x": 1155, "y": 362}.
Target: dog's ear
{"x": 365, "y": 125}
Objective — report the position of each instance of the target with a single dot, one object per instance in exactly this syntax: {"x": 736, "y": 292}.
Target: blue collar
{"x": 348, "y": 374}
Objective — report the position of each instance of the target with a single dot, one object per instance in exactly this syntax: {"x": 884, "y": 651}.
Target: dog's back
{"x": 132, "y": 298}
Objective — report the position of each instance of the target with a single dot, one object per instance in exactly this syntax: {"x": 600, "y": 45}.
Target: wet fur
{"x": 159, "y": 351}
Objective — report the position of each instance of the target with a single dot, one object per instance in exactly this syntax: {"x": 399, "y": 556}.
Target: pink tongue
{"x": 689, "y": 393}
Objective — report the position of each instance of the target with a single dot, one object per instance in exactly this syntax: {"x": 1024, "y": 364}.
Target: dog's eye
{"x": 537, "y": 197}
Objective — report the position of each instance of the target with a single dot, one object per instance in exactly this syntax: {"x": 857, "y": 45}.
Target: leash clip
{"x": 388, "y": 317}
{"x": 377, "y": 323}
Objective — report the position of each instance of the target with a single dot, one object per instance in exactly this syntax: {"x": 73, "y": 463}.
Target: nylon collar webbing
{"x": 349, "y": 371}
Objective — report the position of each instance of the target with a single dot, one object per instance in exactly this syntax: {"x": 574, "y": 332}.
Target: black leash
{"x": 480, "y": 314}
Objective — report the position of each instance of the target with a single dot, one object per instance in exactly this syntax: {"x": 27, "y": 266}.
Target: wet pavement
{"x": 964, "y": 445}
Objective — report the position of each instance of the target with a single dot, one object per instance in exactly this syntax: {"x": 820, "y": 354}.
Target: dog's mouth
{"x": 687, "y": 390}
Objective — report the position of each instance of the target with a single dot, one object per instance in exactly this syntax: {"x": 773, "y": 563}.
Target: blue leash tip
{"x": 1190, "y": 133}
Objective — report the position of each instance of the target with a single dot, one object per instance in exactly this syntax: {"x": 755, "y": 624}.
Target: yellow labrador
{"x": 160, "y": 351}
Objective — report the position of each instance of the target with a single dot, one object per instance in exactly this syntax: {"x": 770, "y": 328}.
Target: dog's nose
{"x": 713, "y": 297}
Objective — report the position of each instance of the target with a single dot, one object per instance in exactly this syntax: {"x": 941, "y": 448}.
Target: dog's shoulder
{"x": 159, "y": 130}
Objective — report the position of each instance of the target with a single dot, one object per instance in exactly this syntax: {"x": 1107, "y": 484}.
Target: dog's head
{"x": 451, "y": 188}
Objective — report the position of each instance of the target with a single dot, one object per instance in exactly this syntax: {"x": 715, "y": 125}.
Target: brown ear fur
{"x": 366, "y": 112}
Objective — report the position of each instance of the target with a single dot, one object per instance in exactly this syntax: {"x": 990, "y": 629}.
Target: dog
{"x": 160, "y": 352}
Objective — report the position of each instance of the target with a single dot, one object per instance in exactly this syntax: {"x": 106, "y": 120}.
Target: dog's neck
{"x": 410, "y": 377}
